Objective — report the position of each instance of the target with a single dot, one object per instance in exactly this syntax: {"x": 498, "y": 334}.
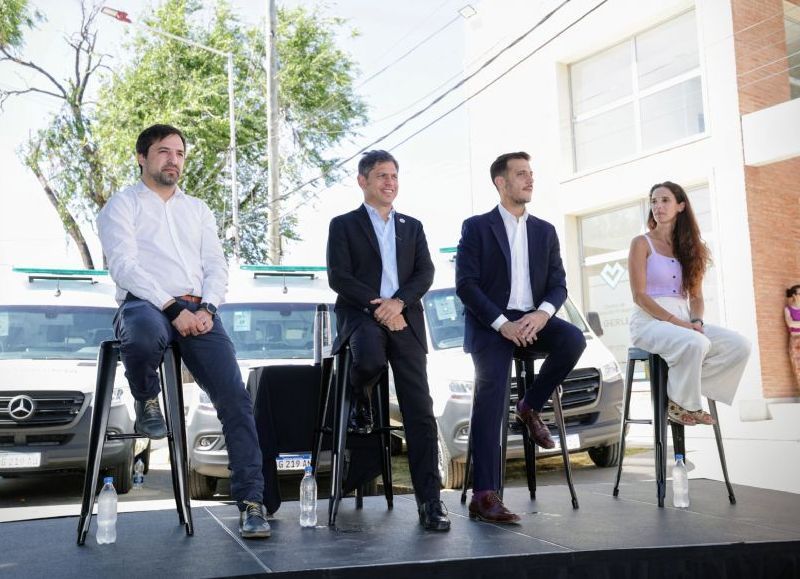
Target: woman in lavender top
{"x": 666, "y": 268}
{"x": 791, "y": 314}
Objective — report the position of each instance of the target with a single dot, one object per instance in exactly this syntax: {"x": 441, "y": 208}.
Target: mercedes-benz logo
{"x": 21, "y": 407}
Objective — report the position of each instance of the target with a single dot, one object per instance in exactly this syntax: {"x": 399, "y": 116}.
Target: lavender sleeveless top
{"x": 664, "y": 275}
{"x": 795, "y": 314}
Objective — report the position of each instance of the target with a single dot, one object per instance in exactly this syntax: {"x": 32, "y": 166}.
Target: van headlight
{"x": 204, "y": 401}
{"x": 610, "y": 371}
{"x": 117, "y": 397}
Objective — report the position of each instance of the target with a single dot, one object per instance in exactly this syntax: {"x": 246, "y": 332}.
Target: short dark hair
{"x": 792, "y": 290}
{"x": 372, "y": 158}
{"x": 500, "y": 165}
{"x": 153, "y": 134}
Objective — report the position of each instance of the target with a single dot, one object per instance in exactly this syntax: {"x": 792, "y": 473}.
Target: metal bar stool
{"x": 658, "y": 394}
{"x": 172, "y": 392}
{"x": 335, "y": 403}
{"x": 525, "y": 371}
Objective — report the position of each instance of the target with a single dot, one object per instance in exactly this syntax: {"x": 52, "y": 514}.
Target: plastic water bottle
{"x": 138, "y": 474}
{"x": 308, "y": 499}
{"x": 107, "y": 513}
{"x": 680, "y": 483}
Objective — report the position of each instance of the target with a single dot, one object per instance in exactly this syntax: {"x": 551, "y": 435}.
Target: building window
{"x": 791, "y": 23}
{"x": 605, "y": 240}
{"x": 637, "y": 96}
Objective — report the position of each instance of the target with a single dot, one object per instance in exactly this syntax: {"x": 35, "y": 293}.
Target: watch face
{"x": 210, "y": 308}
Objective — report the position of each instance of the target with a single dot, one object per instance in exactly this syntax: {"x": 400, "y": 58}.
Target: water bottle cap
{"x": 309, "y": 470}
{"x": 678, "y": 457}
{"x": 108, "y": 480}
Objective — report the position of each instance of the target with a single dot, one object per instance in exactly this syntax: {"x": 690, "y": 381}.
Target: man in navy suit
{"x": 511, "y": 280}
{"x": 380, "y": 267}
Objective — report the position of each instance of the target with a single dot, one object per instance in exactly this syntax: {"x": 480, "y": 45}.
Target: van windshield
{"x": 54, "y": 332}
{"x": 445, "y": 315}
{"x": 272, "y": 331}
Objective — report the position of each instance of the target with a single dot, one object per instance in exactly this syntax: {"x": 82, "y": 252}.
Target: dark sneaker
{"x": 149, "y": 420}
{"x": 253, "y": 521}
{"x": 433, "y": 516}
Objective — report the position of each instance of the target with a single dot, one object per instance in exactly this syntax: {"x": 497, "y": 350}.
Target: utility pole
{"x": 273, "y": 153}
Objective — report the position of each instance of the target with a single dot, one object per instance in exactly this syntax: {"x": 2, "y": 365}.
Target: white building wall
{"x": 529, "y": 109}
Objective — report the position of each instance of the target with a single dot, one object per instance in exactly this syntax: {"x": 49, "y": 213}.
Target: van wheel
{"x": 201, "y": 487}
{"x": 605, "y": 456}
{"x": 451, "y": 471}
{"x": 123, "y": 474}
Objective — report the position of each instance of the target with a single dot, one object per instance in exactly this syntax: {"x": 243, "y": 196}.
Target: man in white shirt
{"x": 166, "y": 259}
{"x": 511, "y": 280}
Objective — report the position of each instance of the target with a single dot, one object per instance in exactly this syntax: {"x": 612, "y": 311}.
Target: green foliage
{"x": 15, "y": 17}
{"x": 166, "y": 81}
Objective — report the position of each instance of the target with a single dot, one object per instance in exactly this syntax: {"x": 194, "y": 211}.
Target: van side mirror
{"x": 594, "y": 322}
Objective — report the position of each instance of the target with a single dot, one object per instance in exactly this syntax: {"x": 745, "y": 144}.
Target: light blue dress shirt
{"x": 384, "y": 231}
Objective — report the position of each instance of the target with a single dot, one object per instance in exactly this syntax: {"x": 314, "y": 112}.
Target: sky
{"x": 434, "y": 174}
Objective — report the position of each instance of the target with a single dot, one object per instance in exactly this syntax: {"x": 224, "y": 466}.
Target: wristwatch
{"x": 210, "y": 308}
{"x": 697, "y": 320}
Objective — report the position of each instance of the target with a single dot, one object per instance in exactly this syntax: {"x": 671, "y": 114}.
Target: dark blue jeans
{"x": 564, "y": 344}
{"x": 144, "y": 333}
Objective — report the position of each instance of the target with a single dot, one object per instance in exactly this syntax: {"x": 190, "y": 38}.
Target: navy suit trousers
{"x": 144, "y": 333}
{"x": 563, "y": 342}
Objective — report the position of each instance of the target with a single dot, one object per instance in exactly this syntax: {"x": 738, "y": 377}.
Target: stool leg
{"x": 342, "y": 409}
{"x": 173, "y": 404}
{"x": 386, "y": 439}
{"x": 678, "y": 438}
{"x": 325, "y": 392}
{"x": 530, "y": 460}
{"x": 106, "y": 370}
{"x": 712, "y": 406}
{"x": 468, "y": 459}
{"x": 562, "y": 435}
{"x": 626, "y": 409}
{"x": 504, "y": 435}
{"x": 658, "y": 391}
{"x": 173, "y": 464}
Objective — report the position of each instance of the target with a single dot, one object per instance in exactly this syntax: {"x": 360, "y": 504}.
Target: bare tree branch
{"x": 37, "y": 68}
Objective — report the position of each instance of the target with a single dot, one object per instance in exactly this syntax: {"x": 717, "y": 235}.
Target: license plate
{"x": 293, "y": 461}
{"x": 573, "y": 442}
{"x": 20, "y": 459}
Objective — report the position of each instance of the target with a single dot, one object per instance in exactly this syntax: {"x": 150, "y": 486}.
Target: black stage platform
{"x": 626, "y": 537}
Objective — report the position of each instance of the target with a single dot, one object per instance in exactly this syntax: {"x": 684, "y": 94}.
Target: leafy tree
{"x": 85, "y": 154}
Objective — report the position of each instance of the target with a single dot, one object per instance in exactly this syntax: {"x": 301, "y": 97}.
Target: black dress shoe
{"x": 149, "y": 420}
{"x": 432, "y": 516}
{"x": 360, "y": 415}
{"x": 253, "y": 522}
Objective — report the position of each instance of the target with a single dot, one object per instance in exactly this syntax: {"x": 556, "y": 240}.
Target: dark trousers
{"x": 371, "y": 346}
{"x": 144, "y": 333}
{"x": 564, "y": 344}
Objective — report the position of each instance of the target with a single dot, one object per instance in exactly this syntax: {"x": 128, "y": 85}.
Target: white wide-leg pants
{"x": 709, "y": 364}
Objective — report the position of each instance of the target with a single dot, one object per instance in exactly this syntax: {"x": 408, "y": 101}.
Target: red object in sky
{"x": 118, "y": 14}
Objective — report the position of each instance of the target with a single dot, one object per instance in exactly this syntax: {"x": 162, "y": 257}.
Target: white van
{"x": 592, "y": 398}
{"x": 52, "y": 322}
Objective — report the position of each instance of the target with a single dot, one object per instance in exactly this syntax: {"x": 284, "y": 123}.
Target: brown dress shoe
{"x": 537, "y": 430}
{"x": 491, "y": 509}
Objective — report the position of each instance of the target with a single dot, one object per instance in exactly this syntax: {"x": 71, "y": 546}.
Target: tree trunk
{"x": 70, "y": 225}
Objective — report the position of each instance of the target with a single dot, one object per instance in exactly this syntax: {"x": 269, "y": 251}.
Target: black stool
{"x": 524, "y": 368}
{"x": 335, "y": 398}
{"x": 172, "y": 392}
{"x": 658, "y": 394}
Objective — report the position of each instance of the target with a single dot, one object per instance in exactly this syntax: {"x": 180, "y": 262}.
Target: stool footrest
{"x": 639, "y": 421}
{"x": 128, "y": 436}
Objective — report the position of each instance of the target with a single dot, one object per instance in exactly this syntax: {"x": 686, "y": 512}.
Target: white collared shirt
{"x": 385, "y": 232}
{"x": 521, "y": 297}
{"x": 159, "y": 250}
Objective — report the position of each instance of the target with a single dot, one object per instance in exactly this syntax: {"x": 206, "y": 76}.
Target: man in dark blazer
{"x": 380, "y": 267}
{"x": 511, "y": 280}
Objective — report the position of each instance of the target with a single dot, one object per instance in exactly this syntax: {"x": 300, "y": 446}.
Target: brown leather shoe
{"x": 537, "y": 430}
{"x": 491, "y": 509}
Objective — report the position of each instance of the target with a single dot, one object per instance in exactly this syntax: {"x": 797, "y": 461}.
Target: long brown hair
{"x": 690, "y": 249}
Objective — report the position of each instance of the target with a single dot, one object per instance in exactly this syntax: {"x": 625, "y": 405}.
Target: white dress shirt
{"x": 521, "y": 298}
{"x": 159, "y": 250}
